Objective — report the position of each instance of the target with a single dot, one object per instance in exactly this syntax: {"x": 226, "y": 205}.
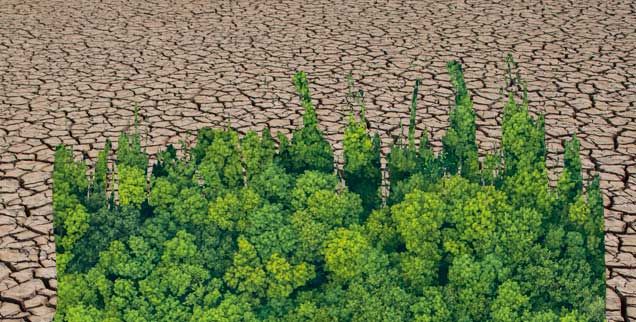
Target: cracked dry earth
{"x": 70, "y": 72}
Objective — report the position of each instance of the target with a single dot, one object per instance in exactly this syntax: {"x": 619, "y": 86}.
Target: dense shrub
{"x": 237, "y": 230}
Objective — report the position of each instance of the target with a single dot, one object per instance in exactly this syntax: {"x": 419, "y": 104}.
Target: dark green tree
{"x": 403, "y": 160}
{"x": 309, "y": 150}
{"x": 362, "y": 161}
{"x": 525, "y": 175}
{"x": 570, "y": 185}
{"x": 459, "y": 153}
{"x": 71, "y": 219}
{"x": 256, "y": 154}
{"x": 97, "y": 192}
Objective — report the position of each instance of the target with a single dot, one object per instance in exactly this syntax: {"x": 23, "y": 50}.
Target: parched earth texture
{"x": 71, "y": 72}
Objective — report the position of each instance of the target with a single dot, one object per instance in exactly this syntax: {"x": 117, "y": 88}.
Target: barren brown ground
{"x": 71, "y": 70}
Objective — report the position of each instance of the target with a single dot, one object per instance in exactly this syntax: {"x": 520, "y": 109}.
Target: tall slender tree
{"x": 362, "y": 160}
{"x": 459, "y": 148}
{"x": 309, "y": 150}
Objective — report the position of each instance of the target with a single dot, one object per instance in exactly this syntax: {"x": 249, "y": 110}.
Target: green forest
{"x": 265, "y": 228}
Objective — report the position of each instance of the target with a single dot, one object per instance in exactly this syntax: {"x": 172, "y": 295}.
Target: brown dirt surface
{"x": 71, "y": 71}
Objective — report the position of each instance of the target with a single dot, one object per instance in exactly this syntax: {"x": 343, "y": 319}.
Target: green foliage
{"x": 283, "y": 277}
{"x": 524, "y": 174}
{"x": 309, "y": 150}
{"x": 222, "y": 159}
{"x": 97, "y": 197}
{"x": 324, "y": 211}
{"x": 510, "y": 303}
{"x": 431, "y": 169}
{"x": 402, "y": 163}
{"x": 164, "y": 160}
{"x": 308, "y": 183}
{"x": 594, "y": 231}
{"x": 459, "y": 154}
{"x": 472, "y": 286}
{"x": 132, "y": 186}
{"x": 230, "y": 212}
{"x": 362, "y": 161}
{"x": 104, "y": 226}
{"x": 204, "y": 139}
{"x": 283, "y": 155}
{"x": 246, "y": 275}
{"x": 70, "y": 186}
{"x": 75, "y": 225}
{"x": 431, "y": 307}
{"x": 69, "y": 178}
{"x": 419, "y": 219}
{"x": 572, "y": 162}
{"x": 269, "y": 230}
{"x": 412, "y": 118}
{"x": 273, "y": 184}
{"x": 129, "y": 151}
{"x": 235, "y": 230}
{"x": 346, "y": 253}
{"x": 570, "y": 184}
{"x": 256, "y": 153}
{"x": 411, "y": 167}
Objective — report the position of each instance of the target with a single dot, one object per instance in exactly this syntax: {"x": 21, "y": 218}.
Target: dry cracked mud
{"x": 70, "y": 71}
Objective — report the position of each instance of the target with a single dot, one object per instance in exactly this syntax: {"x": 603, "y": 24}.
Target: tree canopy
{"x": 244, "y": 229}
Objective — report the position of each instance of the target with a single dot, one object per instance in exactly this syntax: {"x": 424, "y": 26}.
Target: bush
{"x": 235, "y": 230}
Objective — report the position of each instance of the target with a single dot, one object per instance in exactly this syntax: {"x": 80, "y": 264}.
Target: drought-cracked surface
{"x": 70, "y": 71}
